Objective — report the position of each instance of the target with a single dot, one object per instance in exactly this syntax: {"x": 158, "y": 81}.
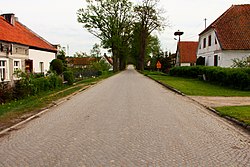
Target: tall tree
{"x": 149, "y": 18}
{"x": 95, "y": 51}
{"x": 108, "y": 20}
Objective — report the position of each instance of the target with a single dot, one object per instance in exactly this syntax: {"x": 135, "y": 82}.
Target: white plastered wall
{"x": 41, "y": 56}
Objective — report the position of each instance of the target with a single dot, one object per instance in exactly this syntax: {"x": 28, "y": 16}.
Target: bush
{"x": 200, "y": 61}
{"x": 69, "y": 77}
{"x": 232, "y": 77}
{"x": 57, "y": 66}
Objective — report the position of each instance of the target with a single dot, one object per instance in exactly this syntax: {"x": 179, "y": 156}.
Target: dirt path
{"x": 221, "y": 101}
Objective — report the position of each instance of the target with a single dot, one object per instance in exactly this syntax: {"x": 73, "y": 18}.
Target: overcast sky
{"x": 56, "y": 20}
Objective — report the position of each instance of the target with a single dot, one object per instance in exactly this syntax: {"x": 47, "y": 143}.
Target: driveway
{"x": 127, "y": 120}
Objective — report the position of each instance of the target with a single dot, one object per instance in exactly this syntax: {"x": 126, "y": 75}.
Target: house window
{"x": 215, "y": 41}
{"x": 42, "y": 67}
{"x": 209, "y": 40}
{"x": 204, "y": 42}
{"x": 17, "y": 65}
{"x": 3, "y": 70}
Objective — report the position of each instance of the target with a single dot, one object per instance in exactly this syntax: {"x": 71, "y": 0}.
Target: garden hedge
{"x": 238, "y": 78}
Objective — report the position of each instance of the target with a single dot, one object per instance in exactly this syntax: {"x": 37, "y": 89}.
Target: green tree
{"x": 95, "y": 51}
{"x": 149, "y": 18}
{"x": 80, "y": 54}
{"x": 110, "y": 21}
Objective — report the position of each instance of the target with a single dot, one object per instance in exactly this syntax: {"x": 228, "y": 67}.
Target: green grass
{"x": 195, "y": 87}
{"x": 16, "y": 109}
{"x": 241, "y": 113}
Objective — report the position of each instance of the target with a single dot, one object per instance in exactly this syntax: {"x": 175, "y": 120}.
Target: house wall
{"x": 39, "y": 57}
{"x": 185, "y": 64}
{"x": 224, "y": 58}
{"x": 14, "y": 59}
{"x": 228, "y": 56}
{"x": 208, "y": 50}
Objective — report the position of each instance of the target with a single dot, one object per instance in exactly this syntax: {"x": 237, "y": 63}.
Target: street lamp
{"x": 179, "y": 33}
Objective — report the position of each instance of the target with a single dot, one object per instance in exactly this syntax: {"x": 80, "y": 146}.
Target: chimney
{"x": 10, "y": 18}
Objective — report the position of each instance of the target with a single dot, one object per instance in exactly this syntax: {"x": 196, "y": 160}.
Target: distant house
{"x": 172, "y": 59}
{"x": 21, "y": 48}
{"x": 80, "y": 62}
{"x": 186, "y": 53}
{"x": 227, "y": 38}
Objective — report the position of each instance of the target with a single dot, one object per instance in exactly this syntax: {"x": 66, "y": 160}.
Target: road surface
{"x": 127, "y": 120}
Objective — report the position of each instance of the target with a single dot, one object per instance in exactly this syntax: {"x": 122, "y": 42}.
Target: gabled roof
{"x": 109, "y": 59}
{"x": 233, "y": 28}
{"x": 20, "y": 34}
{"x": 187, "y": 51}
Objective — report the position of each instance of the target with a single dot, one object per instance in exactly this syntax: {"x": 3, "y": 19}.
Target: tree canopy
{"x": 114, "y": 21}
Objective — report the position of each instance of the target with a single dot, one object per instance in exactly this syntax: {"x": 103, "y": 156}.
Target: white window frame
{"x": 15, "y": 68}
{"x": 6, "y": 71}
{"x": 18, "y": 67}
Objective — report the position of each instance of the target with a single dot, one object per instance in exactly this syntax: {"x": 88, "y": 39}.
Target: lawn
{"x": 195, "y": 87}
{"x": 241, "y": 113}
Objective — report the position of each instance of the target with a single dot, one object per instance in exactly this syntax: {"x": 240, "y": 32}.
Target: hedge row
{"x": 28, "y": 86}
{"x": 238, "y": 78}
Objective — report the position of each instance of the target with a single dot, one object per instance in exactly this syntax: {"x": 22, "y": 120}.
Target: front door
{"x": 28, "y": 66}
{"x": 215, "y": 60}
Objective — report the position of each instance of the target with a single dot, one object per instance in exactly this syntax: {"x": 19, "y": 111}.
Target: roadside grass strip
{"x": 196, "y": 87}
{"x": 19, "y": 110}
{"x": 241, "y": 113}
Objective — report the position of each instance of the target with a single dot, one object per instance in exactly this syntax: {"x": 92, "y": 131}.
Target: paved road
{"x": 127, "y": 120}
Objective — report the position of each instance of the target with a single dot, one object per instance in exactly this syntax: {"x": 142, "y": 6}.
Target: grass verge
{"x": 195, "y": 87}
{"x": 16, "y": 111}
{"x": 241, "y": 113}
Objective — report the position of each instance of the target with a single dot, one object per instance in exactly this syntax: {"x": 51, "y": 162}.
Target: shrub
{"x": 57, "y": 66}
{"x": 69, "y": 77}
{"x": 200, "y": 61}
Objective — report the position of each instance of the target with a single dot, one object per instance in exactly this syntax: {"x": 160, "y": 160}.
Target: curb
{"x": 43, "y": 110}
{"x": 233, "y": 120}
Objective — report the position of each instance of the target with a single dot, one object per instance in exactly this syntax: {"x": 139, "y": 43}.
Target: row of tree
{"x": 124, "y": 28}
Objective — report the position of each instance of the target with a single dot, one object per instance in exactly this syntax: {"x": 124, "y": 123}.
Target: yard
{"x": 196, "y": 87}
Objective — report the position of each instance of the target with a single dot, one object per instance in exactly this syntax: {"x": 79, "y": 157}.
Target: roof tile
{"x": 233, "y": 28}
{"x": 20, "y": 34}
{"x": 187, "y": 51}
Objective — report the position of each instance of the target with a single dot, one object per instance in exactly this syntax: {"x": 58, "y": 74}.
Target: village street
{"x": 126, "y": 120}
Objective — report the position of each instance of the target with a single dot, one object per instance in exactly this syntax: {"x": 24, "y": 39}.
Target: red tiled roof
{"x": 20, "y": 34}
{"x": 81, "y": 60}
{"x": 187, "y": 50}
{"x": 233, "y": 28}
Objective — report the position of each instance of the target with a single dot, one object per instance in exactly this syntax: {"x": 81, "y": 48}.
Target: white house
{"x": 21, "y": 48}
{"x": 227, "y": 38}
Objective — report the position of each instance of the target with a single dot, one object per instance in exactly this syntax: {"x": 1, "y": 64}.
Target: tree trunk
{"x": 115, "y": 59}
{"x": 143, "y": 43}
